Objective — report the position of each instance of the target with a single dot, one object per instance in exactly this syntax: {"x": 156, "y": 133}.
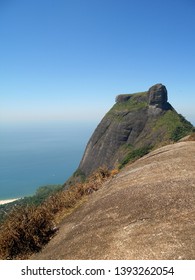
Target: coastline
{"x": 5, "y": 201}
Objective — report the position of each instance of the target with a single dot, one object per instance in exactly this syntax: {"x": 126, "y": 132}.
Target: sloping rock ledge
{"x": 146, "y": 212}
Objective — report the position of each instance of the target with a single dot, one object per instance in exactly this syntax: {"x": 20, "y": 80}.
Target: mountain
{"x": 145, "y": 212}
{"x": 136, "y": 124}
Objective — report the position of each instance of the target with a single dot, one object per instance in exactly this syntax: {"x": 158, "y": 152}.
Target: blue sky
{"x": 68, "y": 59}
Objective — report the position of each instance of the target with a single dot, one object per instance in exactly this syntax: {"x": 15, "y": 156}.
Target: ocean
{"x": 39, "y": 154}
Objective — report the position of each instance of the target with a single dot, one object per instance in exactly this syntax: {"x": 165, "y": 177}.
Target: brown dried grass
{"x": 28, "y": 228}
{"x": 25, "y": 230}
{"x": 192, "y": 137}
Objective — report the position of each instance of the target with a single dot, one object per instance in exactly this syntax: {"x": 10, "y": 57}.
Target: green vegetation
{"x": 40, "y": 196}
{"x": 136, "y": 102}
{"x": 80, "y": 175}
{"x": 134, "y": 155}
{"x": 174, "y": 125}
{"x": 27, "y": 228}
{"x": 182, "y": 129}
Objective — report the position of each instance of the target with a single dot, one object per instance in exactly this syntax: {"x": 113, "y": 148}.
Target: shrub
{"x": 80, "y": 175}
{"x": 25, "y": 230}
{"x": 174, "y": 126}
{"x": 178, "y": 133}
{"x": 28, "y": 228}
{"x": 38, "y": 198}
{"x": 134, "y": 155}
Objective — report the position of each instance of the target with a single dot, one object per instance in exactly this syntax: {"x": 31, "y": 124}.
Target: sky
{"x": 66, "y": 60}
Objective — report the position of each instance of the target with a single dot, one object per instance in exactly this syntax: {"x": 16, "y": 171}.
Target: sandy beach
{"x": 8, "y": 201}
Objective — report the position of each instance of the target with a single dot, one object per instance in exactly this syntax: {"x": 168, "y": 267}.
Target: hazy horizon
{"x": 67, "y": 60}
{"x": 34, "y": 155}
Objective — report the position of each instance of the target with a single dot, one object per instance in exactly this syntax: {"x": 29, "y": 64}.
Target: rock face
{"x": 158, "y": 96}
{"x": 146, "y": 212}
{"x": 137, "y": 121}
{"x": 123, "y": 97}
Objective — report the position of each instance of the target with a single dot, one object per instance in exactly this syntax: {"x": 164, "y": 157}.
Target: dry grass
{"x": 27, "y": 229}
{"x": 192, "y": 137}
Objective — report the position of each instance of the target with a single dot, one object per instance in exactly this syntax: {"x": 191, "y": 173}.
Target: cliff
{"x": 136, "y": 124}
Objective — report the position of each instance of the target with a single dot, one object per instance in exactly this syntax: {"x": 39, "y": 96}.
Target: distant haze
{"x": 36, "y": 154}
{"x": 67, "y": 60}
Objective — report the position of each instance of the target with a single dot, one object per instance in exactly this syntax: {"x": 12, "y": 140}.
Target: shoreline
{"x": 5, "y": 201}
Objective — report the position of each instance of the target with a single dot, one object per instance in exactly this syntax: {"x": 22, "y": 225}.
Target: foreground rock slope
{"x": 146, "y": 212}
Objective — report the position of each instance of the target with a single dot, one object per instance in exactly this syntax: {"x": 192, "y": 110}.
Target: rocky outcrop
{"x": 145, "y": 212}
{"x": 123, "y": 97}
{"x": 158, "y": 96}
{"x": 137, "y": 121}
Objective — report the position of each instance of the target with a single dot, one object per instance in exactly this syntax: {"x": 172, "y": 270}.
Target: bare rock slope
{"x": 146, "y": 212}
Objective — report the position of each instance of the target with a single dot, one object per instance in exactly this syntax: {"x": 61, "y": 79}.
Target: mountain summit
{"x": 136, "y": 124}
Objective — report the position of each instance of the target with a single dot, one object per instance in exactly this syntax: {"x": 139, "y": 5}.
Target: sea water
{"x": 39, "y": 154}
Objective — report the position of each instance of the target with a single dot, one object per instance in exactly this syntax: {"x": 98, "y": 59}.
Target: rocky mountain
{"x": 136, "y": 124}
{"x": 144, "y": 212}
